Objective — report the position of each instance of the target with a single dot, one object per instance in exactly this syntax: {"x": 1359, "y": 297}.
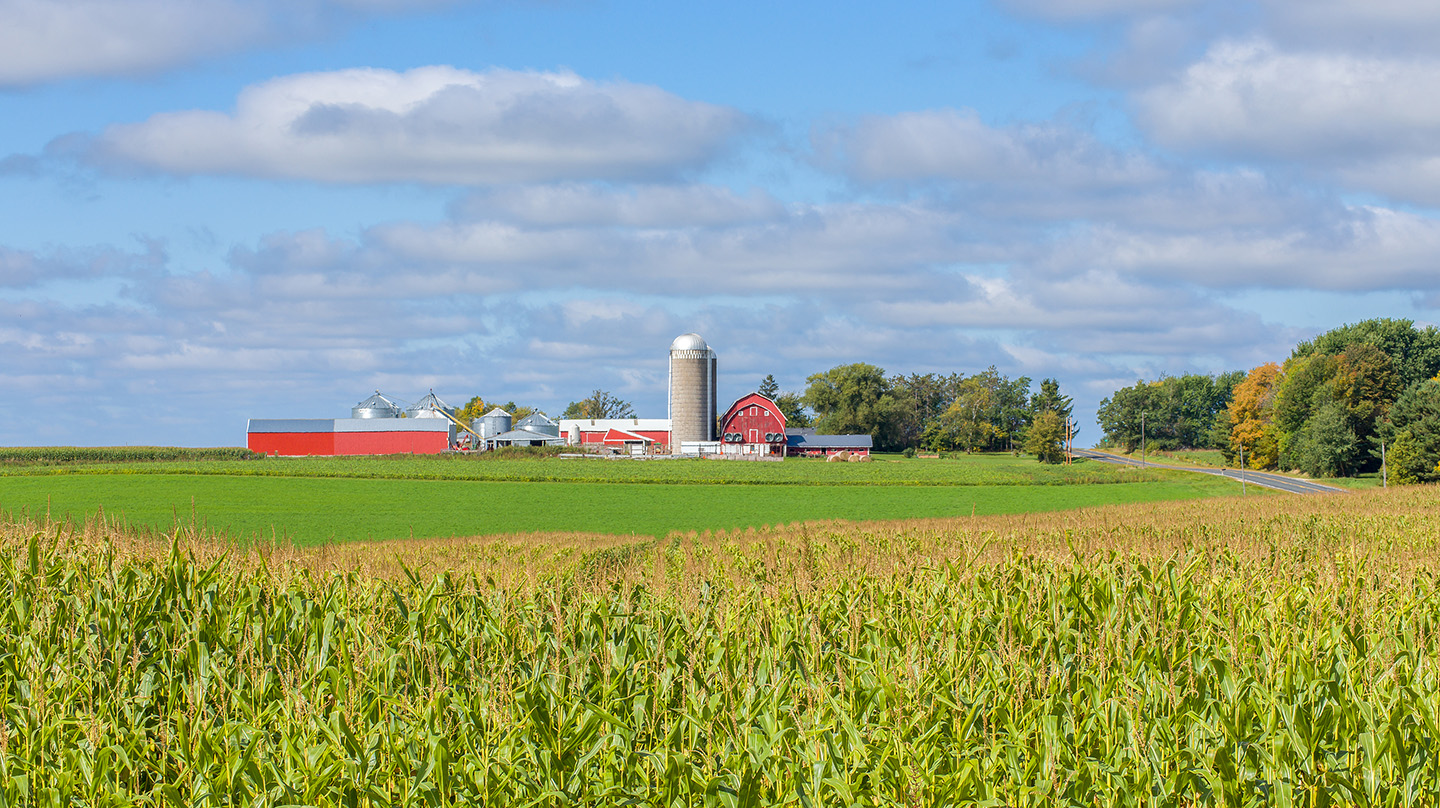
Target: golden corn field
{"x": 1265, "y": 651}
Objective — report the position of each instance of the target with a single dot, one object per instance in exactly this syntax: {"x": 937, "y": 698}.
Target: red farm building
{"x": 349, "y": 436}
{"x": 753, "y": 426}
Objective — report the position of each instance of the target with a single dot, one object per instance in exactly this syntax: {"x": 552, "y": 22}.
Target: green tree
{"x": 1415, "y": 352}
{"x": 792, "y": 406}
{"x": 1049, "y": 399}
{"x": 853, "y": 399}
{"x": 769, "y": 388}
{"x": 1046, "y": 437}
{"x": 1326, "y": 445}
{"x": 517, "y": 412}
{"x": 600, "y": 404}
{"x": 921, "y": 400}
{"x": 1412, "y": 434}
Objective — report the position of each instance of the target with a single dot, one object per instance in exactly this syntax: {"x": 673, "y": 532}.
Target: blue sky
{"x": 218, "y": 210}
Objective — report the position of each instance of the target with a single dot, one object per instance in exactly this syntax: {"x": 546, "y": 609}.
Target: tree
{"x": 1046, "y": 437}
{"x": 968, "y": 423}
{"x": 769, "y": 388}
{"x": 1412, "y": 434}
{"x": 474, "y": 408}
{"x": 1415, "y": 352}
{"x": 600, "y": 404}
{"x": 1050, "y": 400}
{"x": 921, "y": 400}
{"x": 1251, "y": 430}
{"x": 792, "y": 406}
{"x": 1326, "y": 445}
{"x": 852, "y": 400}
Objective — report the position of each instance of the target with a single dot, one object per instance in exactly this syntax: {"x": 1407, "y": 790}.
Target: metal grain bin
{"x": 430, "y": 407}
{"x": 492, "y": 423}
{"x": 376, "y": 406}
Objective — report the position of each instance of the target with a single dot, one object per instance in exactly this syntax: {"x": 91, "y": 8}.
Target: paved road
{"x": 1279, "y": 482}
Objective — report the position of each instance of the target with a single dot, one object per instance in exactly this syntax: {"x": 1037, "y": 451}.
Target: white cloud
{"x": 437, "y": 125}
{"x": 955, "y": 144}
{"x": 48, "y": 40}
{"x": 42, "y": 40}
{"x": 1250, "y": 99}
{"x": 643, "y": 206}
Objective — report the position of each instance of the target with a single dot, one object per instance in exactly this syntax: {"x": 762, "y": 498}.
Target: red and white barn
{"x": 630, "y": 435}
{"x": 753, "y": 426}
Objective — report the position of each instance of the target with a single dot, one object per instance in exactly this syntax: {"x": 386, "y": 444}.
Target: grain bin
{"x": 430, "y": 407}
{"x": 492, "y": 423}
{"x": 692, "y": 391}
{"x": 376, "y": 406}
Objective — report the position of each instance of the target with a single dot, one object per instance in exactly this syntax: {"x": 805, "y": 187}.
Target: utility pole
{"x": 1142, "y": 438}
{"x": 1242, "y": 469}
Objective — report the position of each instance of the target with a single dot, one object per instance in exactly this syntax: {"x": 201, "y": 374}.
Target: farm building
{"x": 753, "y": 426}
{"x": 652, "y": 434}
{"x": 377, "y": 426}
{"x": 349, "y": 436}
{"x": 805, "y": 443}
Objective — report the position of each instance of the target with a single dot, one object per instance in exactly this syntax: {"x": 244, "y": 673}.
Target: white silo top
{"x": 689, "y": 342}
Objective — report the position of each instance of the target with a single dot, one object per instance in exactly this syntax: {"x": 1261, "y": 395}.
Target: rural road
{"x": 1279, "y": 482}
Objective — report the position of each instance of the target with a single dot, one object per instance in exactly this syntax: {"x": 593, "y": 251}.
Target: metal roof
{"x": 525, "y": 435}
{"x": 290, "y": 425}
{"x": 828, "y": 441}
{"x": 378, "y": 402}
{"x": 393, "y": 425}
{"x": 497, "y": 411}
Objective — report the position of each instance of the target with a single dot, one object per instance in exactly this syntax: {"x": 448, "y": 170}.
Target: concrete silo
{"x": 692, "y": 391}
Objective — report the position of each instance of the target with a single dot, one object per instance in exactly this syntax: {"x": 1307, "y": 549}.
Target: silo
{"x": 492, "y": 423}
{"x": 692, "y": 391}
{"x": 376, "y": 406}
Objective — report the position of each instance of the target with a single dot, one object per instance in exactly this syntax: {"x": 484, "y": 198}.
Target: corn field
{"x": 1266, "y": 652}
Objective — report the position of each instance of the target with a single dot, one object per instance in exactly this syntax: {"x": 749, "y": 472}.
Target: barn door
{"x": 754, "y": 436}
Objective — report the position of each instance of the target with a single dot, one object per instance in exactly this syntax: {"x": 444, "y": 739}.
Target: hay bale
{"x": 859, "y": 458}
{"x": 839, "y": 457}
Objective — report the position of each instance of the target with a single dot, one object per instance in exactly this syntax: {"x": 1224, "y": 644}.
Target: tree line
{"x": 1342, "y": 404}
{"x": 983, "y": 412}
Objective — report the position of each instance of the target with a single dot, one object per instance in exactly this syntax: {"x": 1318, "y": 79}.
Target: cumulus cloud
{"x": 47, "y": 40}
{"x": 437, "y": 125}
{"x": 1250, "y": 99}
{"x": 642, "y": 206}
{"x": 955, "y": 144}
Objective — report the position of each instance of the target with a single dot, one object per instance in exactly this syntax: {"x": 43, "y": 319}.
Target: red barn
{"x": 753, "y": 426}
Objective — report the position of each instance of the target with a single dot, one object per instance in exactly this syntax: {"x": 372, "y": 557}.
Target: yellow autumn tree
{"x": 1251, "y": 417}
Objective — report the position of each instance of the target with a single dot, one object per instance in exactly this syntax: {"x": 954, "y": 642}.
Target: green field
{"x": 968, "y": 470}
{"x": 311, "y": 510}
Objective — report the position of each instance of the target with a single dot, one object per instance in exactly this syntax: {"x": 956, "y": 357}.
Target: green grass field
{"x": 312, "y": 510}
{"x": 971, "y": 470}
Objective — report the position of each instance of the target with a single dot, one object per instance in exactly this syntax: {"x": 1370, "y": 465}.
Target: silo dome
{"x": 689, "y": 342}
